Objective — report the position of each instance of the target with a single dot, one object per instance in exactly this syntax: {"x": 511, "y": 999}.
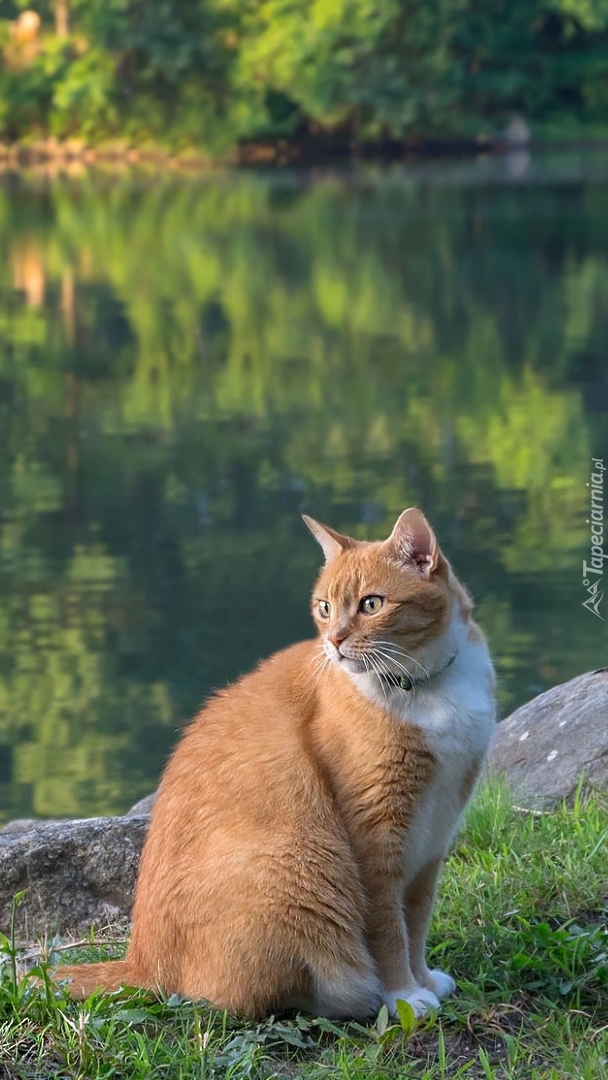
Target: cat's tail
{"x": 84, "y": 979}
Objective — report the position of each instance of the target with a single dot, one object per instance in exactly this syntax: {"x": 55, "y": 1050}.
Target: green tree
{"x": 214, "y": 73}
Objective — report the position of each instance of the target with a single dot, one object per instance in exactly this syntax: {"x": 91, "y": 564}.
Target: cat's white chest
{"x": 456, "y": 714}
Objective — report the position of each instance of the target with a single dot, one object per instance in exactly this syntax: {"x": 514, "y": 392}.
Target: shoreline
{"x": 76, "y": 154}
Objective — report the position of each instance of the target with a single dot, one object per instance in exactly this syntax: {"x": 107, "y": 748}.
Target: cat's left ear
{"x": 414, "y": 541}
{"x": 332, "y": 542}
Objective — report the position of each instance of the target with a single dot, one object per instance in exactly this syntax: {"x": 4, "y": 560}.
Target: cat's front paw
{"x": 439, "y": 983}
{"x": 421, "y": 1000}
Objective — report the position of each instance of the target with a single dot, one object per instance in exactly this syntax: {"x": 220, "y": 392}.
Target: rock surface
{"x": 144, "y": 806}
{"x": 18, "y": 826}
{"x": 545, "y": 746}
{"x": 75, "y": 873}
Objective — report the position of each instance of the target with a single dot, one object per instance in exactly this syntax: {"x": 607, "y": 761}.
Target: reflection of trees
{"x": 211, "y": 357}
{"x": 28, "y": 275}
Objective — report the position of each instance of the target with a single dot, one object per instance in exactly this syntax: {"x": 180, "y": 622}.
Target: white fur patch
{"x": 421, "y": 1000}
{"x": 456, "y": 712}
{"x": 442, "y": 984}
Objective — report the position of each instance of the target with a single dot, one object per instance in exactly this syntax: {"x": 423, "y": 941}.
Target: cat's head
{"x": 387, "y": 607}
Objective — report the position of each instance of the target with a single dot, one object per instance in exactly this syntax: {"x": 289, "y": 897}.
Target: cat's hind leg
{"x": 265, "y": 968}
{"x": 299, "y": 943}
{"x": 347, "y": 993}
{"x": 341, "y": 980}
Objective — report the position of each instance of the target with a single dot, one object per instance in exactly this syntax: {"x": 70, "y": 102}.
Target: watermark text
{"x": 593, "y": 571}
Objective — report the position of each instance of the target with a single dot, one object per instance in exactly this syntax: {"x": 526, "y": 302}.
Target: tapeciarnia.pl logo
{"x": 593, "y": 571}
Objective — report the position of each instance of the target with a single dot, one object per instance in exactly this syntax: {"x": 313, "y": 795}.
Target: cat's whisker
{"x": 398, "y": 649}
{"x": 387, "y": 645}
{"x": 317, "y": 667}
{"x": 383, "y": 654}
{"x": 377, "y": 664}
{"x": 322, "y": 668}
{"x": 369, "y": 657}
{"x": 390, "y": 662}
{"x": 425, "y": 671}
{"x": 388, "y": 659}
{"x": 318, "y": 655}
{"x": 319, "y": 663}
{"x": 318, "y": 658}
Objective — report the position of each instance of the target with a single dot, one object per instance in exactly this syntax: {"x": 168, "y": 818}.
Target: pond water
{"x": 188, "y": 363}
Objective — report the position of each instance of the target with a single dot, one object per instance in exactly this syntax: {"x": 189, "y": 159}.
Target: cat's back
{"x": 248, "y": 744}
{"x": 274, "y": 699}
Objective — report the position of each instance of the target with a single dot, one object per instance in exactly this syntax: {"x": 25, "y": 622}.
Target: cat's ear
{"x": 414, "y": 541}
{"x": 332, "y": 542}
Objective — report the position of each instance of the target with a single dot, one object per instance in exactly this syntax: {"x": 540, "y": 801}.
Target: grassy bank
{"x": 522, "y": 923}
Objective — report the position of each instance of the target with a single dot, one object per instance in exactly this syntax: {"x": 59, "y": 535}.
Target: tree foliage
{"x": 217, "y": 72}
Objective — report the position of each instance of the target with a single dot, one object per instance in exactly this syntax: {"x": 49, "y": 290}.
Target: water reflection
{"x": 186, "y": 364}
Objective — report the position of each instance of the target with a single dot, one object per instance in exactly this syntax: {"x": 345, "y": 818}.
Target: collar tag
{"x": 404, "y": 682}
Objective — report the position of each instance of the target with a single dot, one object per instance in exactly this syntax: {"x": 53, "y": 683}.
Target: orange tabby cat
{"x": 302, "y": 821}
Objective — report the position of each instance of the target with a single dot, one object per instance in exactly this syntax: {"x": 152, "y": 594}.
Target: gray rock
{"x": 144, "y": 806}
{"x": 23, "y": 825}
{"x": 75, "y": 873}
{"x": 545, "y": 746}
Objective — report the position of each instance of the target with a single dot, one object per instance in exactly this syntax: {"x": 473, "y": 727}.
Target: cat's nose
{"x": 337, "y": 637}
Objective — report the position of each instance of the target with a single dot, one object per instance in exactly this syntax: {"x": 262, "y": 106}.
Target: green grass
{"x": 522, "y": 923}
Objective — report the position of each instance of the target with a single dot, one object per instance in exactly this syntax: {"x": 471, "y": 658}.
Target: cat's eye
{"x": 324, "y": 608}
{"x": 371, "y": 604}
